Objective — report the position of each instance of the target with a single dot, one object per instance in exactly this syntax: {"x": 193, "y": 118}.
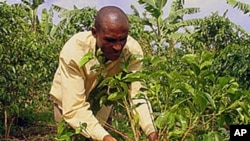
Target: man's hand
{"x": 109, "y": 138}
{"x": 153, "y": 136}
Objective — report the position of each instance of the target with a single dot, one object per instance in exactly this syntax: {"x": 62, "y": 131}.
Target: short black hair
{"x": 106, "y": 12}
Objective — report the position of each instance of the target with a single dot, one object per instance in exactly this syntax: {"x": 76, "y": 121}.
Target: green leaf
{"x": 210, "y": 99}
{"x": 137, "y": 119}
{"x": 234, "y": 105}
{"x": 207, "y": 74}
{"x": 189, "y": 88}
{"x": 152, "y": 8}
{"x": 244, "y": 7}
{"x": 162, "y": 119}
{"x": 124, "y": 87}
{"x": 124, "y": 66}
{"x": 224, "y": 81}
{"x": 66, "y": 136}
{"x": 137, "y": 105}
{"x": 156, "y": 60}
{"x": 183, "y": 122}
{"x": 161, "y": 3}
{"x": 136, "y": 76}
{"x": 205, "y": 64}
{"x": 118, "y": 76}
{"x": 232, "y": 90}
{"x": 206, "y": 56}
{"x": 116, "y": 96}
{"x": 213, "y": 136}
{"x": 191, "y": 60}
{"x": 139, "y": 96}
{"x": 200, "y": 101}
{"x": 105, "y": 81}
{"x": 78, "y": 130}
{"x": 88, "y": 56}
{"x": 103, "y": 100}
{"x": 60, "y": 127}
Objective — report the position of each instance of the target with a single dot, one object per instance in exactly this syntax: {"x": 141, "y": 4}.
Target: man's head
{"x": 111, "y": 31}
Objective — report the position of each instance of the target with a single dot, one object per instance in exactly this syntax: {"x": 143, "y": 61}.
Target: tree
{"x": 46, "y": 22}
{"x": 214, "y": 33}
{"x": 28, "y": 63}
{"x": 227, "y": 40}
{"x": 72, "y": 21}
{"x": 164, "y": 31}
{"x": 245, "y": 8}
{"x": 31, "y": 6}
{"x": 13, "y": 24}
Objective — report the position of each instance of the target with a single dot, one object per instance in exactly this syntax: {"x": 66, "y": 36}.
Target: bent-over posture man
{"x": 72, "y": 84}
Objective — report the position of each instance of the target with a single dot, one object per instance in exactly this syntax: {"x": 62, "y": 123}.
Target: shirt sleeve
{"x": 144, "y": 110}
{"x": 75, "y": 109}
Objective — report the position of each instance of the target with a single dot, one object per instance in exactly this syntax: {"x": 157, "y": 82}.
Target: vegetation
{"x": 197, "y": 79}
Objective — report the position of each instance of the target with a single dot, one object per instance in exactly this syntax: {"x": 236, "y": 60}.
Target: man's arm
{"x": 144, "y": 109}
{"x": 74, "y": 106}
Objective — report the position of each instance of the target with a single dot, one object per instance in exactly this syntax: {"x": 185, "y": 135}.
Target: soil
{"x": 38, "y": 132}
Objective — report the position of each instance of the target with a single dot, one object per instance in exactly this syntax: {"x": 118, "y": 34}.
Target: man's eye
{"x": 110, "y": 40}
{"x": 123, "y": 40}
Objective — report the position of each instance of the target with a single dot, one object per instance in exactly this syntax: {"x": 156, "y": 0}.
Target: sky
{"x": 206, "y": 7}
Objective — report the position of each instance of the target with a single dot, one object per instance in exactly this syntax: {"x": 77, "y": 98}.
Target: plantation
{"x": 196, "y": 72}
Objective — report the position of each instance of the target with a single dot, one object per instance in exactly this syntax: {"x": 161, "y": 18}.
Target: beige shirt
{"x": 72, "y": 85}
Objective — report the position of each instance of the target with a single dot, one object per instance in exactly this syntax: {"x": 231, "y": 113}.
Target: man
{"x": 72, "y": 84}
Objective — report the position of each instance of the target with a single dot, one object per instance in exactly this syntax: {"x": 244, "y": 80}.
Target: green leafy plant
{"x": 27, "y": 67}
{"x": 193, "y": 104}
{"x": 67, "y": 133}
{"x": 114, "y": 90}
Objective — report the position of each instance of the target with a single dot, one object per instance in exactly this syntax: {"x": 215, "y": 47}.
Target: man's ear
{"x": 93, "y": 30}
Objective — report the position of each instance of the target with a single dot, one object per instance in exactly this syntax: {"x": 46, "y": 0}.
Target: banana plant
{"x": 164, "y": 29}
{"x": 244, "y": 7}
{"x": 72, "y": 21}
{"x": 32, "y": 7}
{"x": 47, "y": 21}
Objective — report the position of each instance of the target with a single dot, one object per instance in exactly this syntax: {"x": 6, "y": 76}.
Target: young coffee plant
{"x": 192, "y": 103}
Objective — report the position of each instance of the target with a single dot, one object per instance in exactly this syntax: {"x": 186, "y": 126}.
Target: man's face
{"x": 111, "y": 39}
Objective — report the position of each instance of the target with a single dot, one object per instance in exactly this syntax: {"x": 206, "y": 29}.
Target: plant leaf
{"x": 85, "y": 59}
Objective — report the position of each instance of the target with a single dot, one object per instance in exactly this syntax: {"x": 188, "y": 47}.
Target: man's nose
{"x": 117, "y": 46}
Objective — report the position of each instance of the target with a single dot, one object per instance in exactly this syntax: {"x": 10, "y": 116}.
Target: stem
{"x": 6, "y": 126}
{"x": 189, "y": 129}
{"x": 130, "y": 119}
{"x": 6, "y": 123}
{"x": 109, "y": 126}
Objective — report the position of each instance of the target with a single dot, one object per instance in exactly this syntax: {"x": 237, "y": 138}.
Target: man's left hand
{"x": 153, "y": 136}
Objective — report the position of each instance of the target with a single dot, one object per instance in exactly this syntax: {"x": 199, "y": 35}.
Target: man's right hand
{"x": 109, "y": 138}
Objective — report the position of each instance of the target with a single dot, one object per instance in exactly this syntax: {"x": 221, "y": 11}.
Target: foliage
{"x": 245, "y": 8}
{"x": 198, "y": 84}
{"x": 67, "y": 133}
{"x": 114, "y": 90}
{"x": 31, "y": 7}
{"x": 214, "y": 33}
{"x": 27, "y": 65}
{"x": 192, "y": 103}
{"x": 164, "y": 31}
{"x": 230, "y": 43}
{"x": 234, "y": 61}
{"x": 72, "y": 21}
{"x": 136, "y": 30}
